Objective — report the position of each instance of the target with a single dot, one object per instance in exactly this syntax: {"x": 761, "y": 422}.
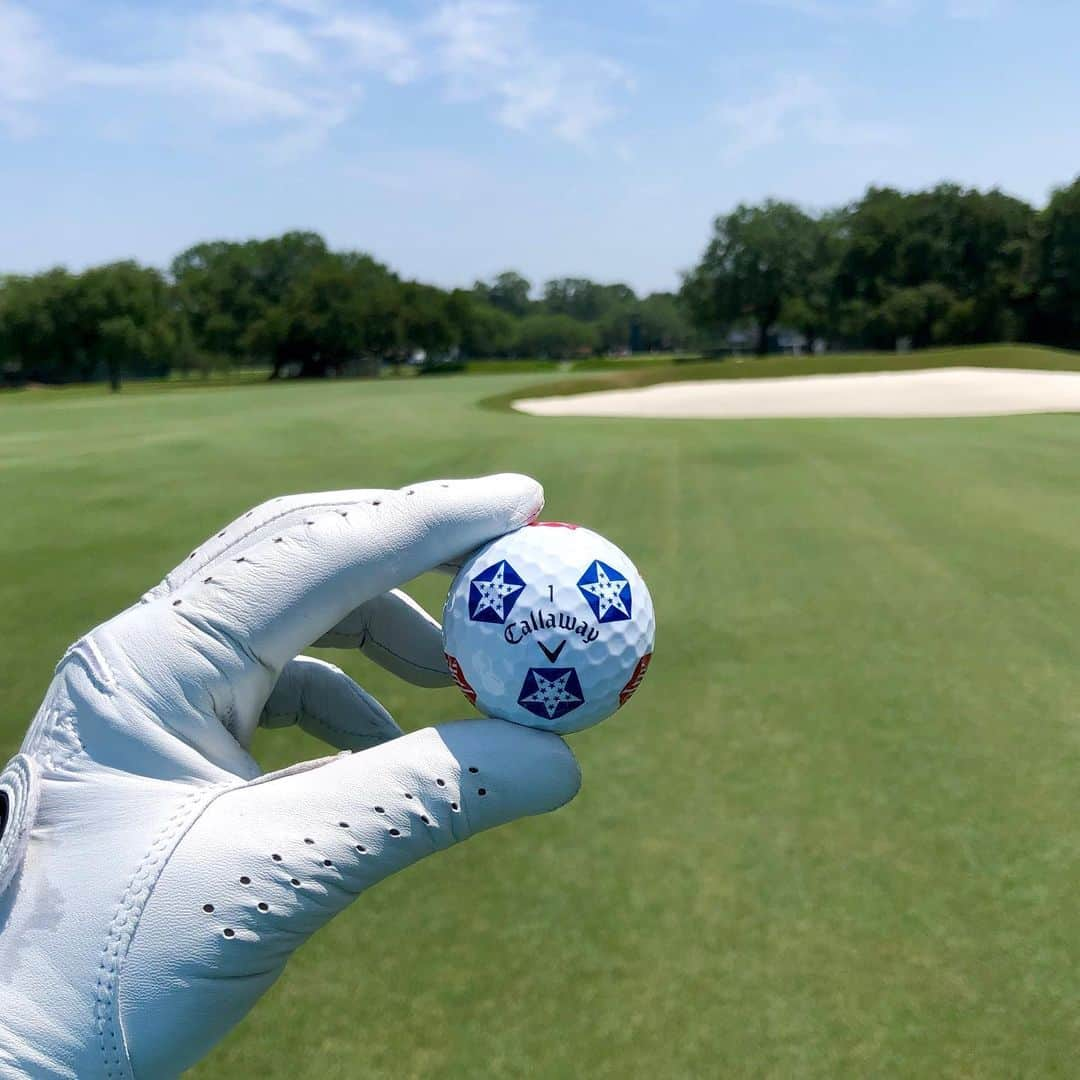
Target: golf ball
{"x": 550, "y": 626}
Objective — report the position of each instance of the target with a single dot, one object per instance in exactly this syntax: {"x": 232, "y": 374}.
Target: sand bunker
{"x": 938, "y": 392}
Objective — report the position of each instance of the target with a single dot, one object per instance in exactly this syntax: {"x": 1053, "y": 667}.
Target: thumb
{"x": 269, "y": 862}
{"x": 349, "y": 822}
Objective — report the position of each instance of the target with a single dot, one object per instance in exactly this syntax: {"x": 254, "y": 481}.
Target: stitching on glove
{"x": 20, "y": 783}
{"x": 350, "y": 734}
{"x": 86, "y": 651}
{"x": 124, "y": 923}
{"x": 187, "y": 568}
{"x": 291, "y": 770}
{"x": 64, "y": 741}
{"x": 411, "y": 663}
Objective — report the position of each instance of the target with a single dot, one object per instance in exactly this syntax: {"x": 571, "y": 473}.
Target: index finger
{"x": 275, "y": 596}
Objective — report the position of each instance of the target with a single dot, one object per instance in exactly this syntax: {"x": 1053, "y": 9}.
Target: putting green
{"x": 834, "y": 834}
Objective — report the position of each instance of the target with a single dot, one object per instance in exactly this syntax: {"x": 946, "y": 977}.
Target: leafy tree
{"x": 224, "y": 289}
{"x": 480, "y": 329}
{"x": 755, "y": 262}
{"x": 587, "y": 300}
{"x": 555, "y": 336}
{"x": 508, "y": 292}
{"x": 813, "y": 309}
{"x": 426, "y": 322}
{"x": 112, "y": 320}
{"x": 40, "y": 336}
{"x": 920, "y": 313}
{"x": 969, "y": 242}
{"x": 127, "y": 318}
{"x": 662, "y": 323}
{"x": 1053, "y": 270}
{"x": 618, "y": 329}
{"x": 345, "y": 310}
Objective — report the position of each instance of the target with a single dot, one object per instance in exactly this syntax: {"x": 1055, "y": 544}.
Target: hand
{"x": 152, "y": 883}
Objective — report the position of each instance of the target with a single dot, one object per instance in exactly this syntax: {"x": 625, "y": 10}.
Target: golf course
{"x": 833, "y": 835}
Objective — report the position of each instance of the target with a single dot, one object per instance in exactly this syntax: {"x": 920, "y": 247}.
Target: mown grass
{"x": 833, "y": 835}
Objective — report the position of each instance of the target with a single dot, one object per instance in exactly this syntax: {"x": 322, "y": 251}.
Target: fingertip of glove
{"x": 516, "y": 499}
{"x": 564, "y": 768}
{"x": 524, "y": 495}
{"x": 511, "y": 771}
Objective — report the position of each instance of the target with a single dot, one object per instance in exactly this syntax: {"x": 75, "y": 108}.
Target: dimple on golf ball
{"x": 550, "y": 626}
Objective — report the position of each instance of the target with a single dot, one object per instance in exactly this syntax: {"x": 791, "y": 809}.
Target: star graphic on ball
{"x": 494, "y": 592}
{"x": 551, "y": 692}
{"x": 607, "y": 592}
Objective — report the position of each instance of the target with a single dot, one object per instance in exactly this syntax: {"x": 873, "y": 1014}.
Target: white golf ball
{"x": 550, "y": 626}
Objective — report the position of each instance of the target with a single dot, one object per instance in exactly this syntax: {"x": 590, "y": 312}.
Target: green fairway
{"x": 834, "y": 833}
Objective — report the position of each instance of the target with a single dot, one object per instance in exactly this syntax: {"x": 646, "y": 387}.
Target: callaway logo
{"x": 549, "y": 620}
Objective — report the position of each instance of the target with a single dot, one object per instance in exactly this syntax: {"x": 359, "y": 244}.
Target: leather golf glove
{"x": 153, "y": 883}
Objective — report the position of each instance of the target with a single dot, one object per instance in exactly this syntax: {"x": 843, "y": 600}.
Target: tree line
{"x": 943, "y": 266}
{"x": 946, "y": 266}
{"x": 292, "y": 304}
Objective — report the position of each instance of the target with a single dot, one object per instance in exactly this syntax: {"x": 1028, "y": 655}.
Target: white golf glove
{"x": 152, "y": 883}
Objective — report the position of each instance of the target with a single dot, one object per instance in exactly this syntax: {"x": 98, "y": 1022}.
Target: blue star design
{"x": 551, "y": 692}
{"x": 494, "y": 592}
{"x": 607, "y": 592}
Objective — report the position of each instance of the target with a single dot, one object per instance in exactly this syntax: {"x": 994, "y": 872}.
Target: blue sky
{"x": 456, "y": 138}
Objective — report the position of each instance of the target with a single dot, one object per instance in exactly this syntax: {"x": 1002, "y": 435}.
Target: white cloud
{"x": 241, "y": 68}
{"x": 375, "y": 43}
{"x": 297, "y": 68}
{"x": 27, "y": 68}
{"x": 488, "y": 50}
{"x": 798, "y": 109}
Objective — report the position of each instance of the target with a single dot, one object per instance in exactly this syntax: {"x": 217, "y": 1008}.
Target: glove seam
{"x": 87, "y": 653}
{"x": 199, "y": 565}
{"x": 369, "y": 636}
{"x": 54, "y": 738}
{"x": 125, "y": 923}
{"x": 69, "y": 724}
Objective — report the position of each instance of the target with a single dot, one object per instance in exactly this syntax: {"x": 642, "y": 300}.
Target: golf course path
{"x": 960, "y": 391}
